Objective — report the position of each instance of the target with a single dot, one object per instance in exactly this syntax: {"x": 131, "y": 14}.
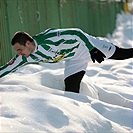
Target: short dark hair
{"x": 21, "y": 38}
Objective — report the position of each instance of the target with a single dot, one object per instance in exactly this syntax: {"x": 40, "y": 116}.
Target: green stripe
{"x": 4, "y": 74}
{"x": 59, "y": 42}
{"x": 16, "y": 56}
{"x": 70, "y": 55}
{"x": 45, "y": 46}
{"x": 14, "y": 69}
{"x": 24, "y": 59}
{"x": 49, "y": 35}
{"x": 54, "y": 43}
{"x": 3, "y": 67}
{"x": 68, "y": 50}
{"x": 42, "y": 55}
{"x": 80, "y": 35}
{"x": 70, "y": 41}
{"x": 33, "y": 57}
{"x": 41, "y": 37}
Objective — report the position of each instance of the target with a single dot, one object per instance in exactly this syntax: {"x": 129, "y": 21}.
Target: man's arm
{"x": 15, "y": 63}
{"x": 122, "y": 53}
{"x": 12, "y": 65}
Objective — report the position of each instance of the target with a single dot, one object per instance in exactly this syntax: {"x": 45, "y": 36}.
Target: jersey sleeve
{"x": 14, "y": 64}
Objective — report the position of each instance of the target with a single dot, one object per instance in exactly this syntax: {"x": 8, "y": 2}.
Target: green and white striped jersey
{"x": 52, "y": 46}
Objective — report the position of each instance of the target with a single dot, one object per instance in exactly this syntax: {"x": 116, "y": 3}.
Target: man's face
{"x": 23, "y": 50}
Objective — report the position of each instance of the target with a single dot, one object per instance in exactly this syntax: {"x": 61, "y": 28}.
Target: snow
{"x": 33, "y": 98}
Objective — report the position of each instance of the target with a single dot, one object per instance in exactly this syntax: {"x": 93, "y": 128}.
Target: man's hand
{"x": 97, "y": 55}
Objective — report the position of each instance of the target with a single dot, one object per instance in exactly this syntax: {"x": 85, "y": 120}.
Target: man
{"x": 72, "y": 45}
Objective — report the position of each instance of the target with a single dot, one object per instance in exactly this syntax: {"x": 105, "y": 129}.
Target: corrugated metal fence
{"x": 33, "y": 16}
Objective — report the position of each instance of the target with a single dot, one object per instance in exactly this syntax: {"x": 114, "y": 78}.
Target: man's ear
{"x": 28, "y": 42}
